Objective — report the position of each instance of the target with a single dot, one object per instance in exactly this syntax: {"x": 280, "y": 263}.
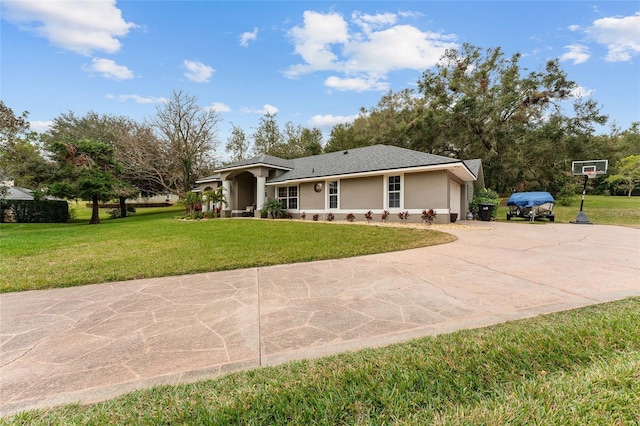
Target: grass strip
{"x": 574, "y": 367}
{"x": 155, "y": 244}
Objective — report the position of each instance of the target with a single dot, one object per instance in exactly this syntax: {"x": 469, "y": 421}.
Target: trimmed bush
{"x": 485, "y": 196}
{"x": 32, "y": 211}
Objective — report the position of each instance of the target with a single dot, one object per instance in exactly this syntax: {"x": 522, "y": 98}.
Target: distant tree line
{"x": 526, "y": 126}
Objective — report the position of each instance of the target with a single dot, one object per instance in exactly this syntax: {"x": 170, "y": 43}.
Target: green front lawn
{"x": 152, "y": 243}
{"x": 571, "y": 368}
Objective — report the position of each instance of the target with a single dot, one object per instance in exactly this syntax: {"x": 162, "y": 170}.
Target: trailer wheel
{"x": 552, "y": 218}
{"x": 508, "y": 216}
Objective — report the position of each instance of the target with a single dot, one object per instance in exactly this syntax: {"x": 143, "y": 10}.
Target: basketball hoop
{"x": 588, "y": 169}
{"x": 591, "y": 173}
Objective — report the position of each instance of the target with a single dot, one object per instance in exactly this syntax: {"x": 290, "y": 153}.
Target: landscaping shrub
{"x": 567, "y": 194}
{"x": 485, "y": 196}
{"x": 34, "y": 211}
{"x": 117, "y": 213}
{"x": 273, "y": 208}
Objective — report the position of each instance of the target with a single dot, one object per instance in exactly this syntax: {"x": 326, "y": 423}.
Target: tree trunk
{"x": 123, "y": 206}
{"x": 95, "y": 216}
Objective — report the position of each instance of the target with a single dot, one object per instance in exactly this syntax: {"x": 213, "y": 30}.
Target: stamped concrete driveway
{"x": 90, "y": 343}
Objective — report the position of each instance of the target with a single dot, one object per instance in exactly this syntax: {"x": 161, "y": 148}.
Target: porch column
{"x": 260, "y": 190}
{"x": 226, "y": 184}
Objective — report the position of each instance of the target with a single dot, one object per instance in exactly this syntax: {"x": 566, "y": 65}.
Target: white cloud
{"x": 574, "y": 27}
{"x": 410, "y": 14}
{"x": 197, "y": 71}
{"x": 218, "y": 107}
{"x": 577, "y": 53}
{"x": 40, "y": 126}
{"x": 245, "y": 38}
{"x": 621, "y": 36}
{"x": 399, "y": 47}
{"x": 365, "y": 55}
{"x": 109, "y": 69}
{"x": 313, "y": 41}
{"x": 137, "y": 99}
{"x": 80, "y": 26}
{"x": 329, "y": 121}
{"x": 368, "y": 23}
{"x": 266, "y": 109}
{"x": 355, "y": 84}
{"x": 581, "y": 92}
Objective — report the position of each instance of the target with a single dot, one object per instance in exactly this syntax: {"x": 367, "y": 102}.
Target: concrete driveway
{"x": 90, "y": 343}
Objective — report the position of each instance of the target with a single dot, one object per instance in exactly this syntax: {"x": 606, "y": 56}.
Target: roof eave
{"x": 458, "y": 168}
{"x": 248, "y": 166}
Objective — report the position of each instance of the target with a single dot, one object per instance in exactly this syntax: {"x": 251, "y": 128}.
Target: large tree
{"x": 526, "y": 126}
{"x": 293, "y": 141}
{"x": 491, "y": 108}
{"x": 267, "y": 138}
{"x": 187, "y": 133}
{"x": 86, "y": 169}
{"x": 237, "y": 144}
{"x": 627, "y": 173}
{"x": 145, "y": 168}
{"x": 299, "y": 141}
{"x": 20, "y": 151}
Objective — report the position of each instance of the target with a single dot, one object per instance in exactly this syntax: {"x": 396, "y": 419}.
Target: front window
{"x": 394, "y": 191}
{"x": 333, "y": 194}
{"x": 288, "y": 196}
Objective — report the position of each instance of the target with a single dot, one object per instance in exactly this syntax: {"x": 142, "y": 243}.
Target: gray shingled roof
{"x": 360, "y": 160}
{"x": 17, "y": 193}
{"x": 213, "y": 178}
{"x": 269, "y": 160}
{"x": 474, "y": 166}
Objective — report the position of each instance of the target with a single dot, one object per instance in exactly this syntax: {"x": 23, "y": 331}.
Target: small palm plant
{"x": 215, "y": 199}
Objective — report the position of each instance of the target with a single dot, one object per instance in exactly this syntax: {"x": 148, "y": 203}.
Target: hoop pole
{"x": 584, "y": 191}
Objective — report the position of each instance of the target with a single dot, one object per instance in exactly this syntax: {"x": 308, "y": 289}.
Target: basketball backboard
{"x": 590, "y": 168}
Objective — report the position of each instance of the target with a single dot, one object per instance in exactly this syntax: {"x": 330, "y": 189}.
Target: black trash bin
{"x": 485, "y": 211}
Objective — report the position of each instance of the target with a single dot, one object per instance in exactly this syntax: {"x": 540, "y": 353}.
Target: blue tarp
{"x": 530, "y": 199}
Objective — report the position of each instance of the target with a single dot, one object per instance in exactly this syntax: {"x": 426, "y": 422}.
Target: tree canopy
{"x": 86, "y": 169}
{"x": 526, "y": 126}
{"x": 21, "y": 158}
{"x": 187, "y": 135}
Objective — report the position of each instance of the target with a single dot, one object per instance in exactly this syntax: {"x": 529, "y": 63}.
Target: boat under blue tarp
{"x": 530, "y": 199}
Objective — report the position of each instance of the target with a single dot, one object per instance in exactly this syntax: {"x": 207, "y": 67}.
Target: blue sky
{"x": 312, "y": 63}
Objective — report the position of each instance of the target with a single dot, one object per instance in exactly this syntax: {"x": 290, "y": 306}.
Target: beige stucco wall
{"x": 362, "y": 193}
{"x": 309, "y": 198}
{"x": 427, "y": 190}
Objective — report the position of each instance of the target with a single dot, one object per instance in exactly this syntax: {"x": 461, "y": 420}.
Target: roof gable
{"x": 263, "y": 159}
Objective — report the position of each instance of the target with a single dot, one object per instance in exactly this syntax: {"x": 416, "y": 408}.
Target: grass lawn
{"x": 152, "y": 243}
{"x": 600, "y": 209}
{"x": 570, "y": 368}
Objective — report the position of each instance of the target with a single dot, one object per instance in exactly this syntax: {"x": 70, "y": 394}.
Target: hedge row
{"x": 30, "y": 211}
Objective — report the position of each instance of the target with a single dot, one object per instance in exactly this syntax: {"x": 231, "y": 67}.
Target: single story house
{"x": 374, "y": 178}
